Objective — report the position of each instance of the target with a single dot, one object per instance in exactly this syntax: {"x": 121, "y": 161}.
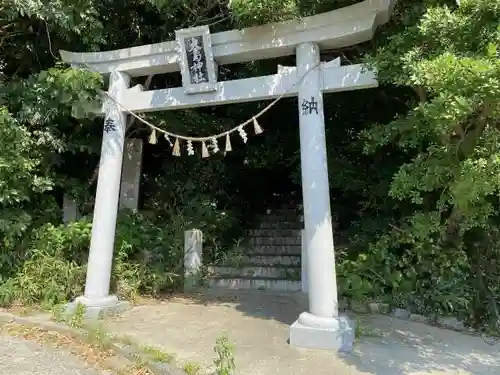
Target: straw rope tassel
{"x": 204, "y": 150}
{"x": 257, "y": 128}
{"x": 228, "y": 143}
{"x": 176, "y": 151}
{"x": 152, "y": 138}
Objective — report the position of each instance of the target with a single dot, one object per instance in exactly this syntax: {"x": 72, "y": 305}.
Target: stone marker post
{"x": 193, "y": 248}
{"x": 131, "y": 174}
{"x": 70, "y": 209}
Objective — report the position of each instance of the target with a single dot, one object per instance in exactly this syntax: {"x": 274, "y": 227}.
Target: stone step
{"x": 274, "y": 241}
{"x": 283, "y": 208}
{"x": 271, "y": 260}
{"x": 280, "y": 224}
{"x": 272, "y": 219}
{"x": 274, "y": 233}
{"x": 271, "y": 284}
{"x": 292, "y": 216}
{"x": 248, "y": 270}
{"x": 274, "y": 250}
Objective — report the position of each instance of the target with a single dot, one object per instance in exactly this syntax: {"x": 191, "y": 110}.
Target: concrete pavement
{"x": 25, "y": 357}
{"x": 258, "y": 325}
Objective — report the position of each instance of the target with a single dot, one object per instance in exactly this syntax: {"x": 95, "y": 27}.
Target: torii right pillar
{"x": 321, "y": 327}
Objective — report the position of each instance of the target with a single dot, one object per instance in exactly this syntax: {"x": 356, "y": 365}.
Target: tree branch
{"x": 420, "y": 91}
{"x": 466, "y": 147}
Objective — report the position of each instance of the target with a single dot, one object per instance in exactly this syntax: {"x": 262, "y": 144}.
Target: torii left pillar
{"x": 96, "y": 298}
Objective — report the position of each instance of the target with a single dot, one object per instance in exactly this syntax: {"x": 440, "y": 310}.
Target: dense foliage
{"x": 413, "y": 164}
{"x": 442, "y": 249}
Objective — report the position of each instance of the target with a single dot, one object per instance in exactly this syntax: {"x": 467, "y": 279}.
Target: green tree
{"x": 447, "y": 52}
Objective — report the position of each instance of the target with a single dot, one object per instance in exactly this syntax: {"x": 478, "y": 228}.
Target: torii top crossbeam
{"x": 336, "y": 29}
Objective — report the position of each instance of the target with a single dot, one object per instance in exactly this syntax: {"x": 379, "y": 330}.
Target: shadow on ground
{"x": 279, "y": 307}
{"x": 258, "y": 324}
{"x": 413, "y": 348}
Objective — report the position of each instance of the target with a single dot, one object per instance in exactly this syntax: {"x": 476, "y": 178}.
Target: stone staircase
{"x": 270, "y": 259}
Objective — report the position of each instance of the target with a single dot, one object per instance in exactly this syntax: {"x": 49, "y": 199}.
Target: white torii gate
{"x": 321, "y": 326}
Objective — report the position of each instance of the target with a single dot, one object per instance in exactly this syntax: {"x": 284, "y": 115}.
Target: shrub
{"x": 53, "y": 270}
{"x": 148, "y": 255}
{"x": 422, "y": 276}
{"x": 148, "y": 258}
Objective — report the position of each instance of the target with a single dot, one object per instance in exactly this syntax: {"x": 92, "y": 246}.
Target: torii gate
{"x": 321, "y": 326}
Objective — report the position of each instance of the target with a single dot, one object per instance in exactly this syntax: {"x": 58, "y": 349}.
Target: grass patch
{"x": 157, "y": 354}
{"x": 362, "y": 330}
{"x": 99, "y": 336}
{"x": 192, "y": 368}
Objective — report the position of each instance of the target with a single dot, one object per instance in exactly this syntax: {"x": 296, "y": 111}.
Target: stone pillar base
{"x": 97, "y": 308}
{"x": 312, "y": 332}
